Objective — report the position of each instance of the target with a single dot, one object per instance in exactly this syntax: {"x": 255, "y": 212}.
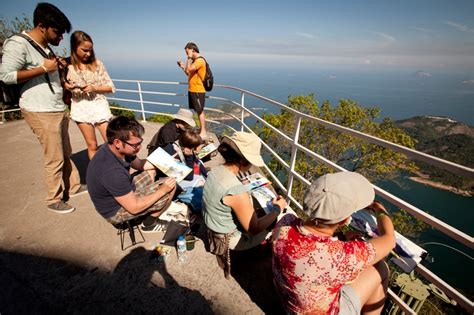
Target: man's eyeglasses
{"x": 134, "y": 145}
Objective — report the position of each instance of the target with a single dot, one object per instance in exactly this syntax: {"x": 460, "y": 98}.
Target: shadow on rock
{"x": 31, "y": 284}
{"x": 81, "y": 160}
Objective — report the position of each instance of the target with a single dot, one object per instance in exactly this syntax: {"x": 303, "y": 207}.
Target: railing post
{"x": 242, "y": 114}
{"x": 141, "y": 101}
{"x": 2, "y": 121}
{"x": 294, "y": 152}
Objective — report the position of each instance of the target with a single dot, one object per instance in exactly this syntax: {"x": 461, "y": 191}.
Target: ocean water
{"x": 399, "y": 94}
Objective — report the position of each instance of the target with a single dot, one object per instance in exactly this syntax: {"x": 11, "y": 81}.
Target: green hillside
{"x": 444, "y": 138}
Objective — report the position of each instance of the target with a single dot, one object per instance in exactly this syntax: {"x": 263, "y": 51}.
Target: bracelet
{"x": 276, "y": 208}
{"x": 45, "y": 69}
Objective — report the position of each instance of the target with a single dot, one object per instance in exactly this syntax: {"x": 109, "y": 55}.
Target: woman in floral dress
{"x": 315, "y": 272}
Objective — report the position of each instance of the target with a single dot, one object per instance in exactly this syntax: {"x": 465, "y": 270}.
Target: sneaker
{"x": 157, "y": 226}
{"x": 80, "y": 191}
{"x": 61, "y": 207}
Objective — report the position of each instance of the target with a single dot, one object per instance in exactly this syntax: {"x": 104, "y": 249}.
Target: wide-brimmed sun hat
{"x": 249, "y": 146}
{"x": 185, "y": 115}
{"x": 334, "y": 197}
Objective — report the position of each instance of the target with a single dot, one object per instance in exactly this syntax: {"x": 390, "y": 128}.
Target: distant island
{"x": 423, "y": 74}
{"x": 447, "y": 139}
{"x": 225, "y": 112}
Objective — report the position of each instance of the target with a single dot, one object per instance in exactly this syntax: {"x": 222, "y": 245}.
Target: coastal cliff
{"x": 447, "y": 139}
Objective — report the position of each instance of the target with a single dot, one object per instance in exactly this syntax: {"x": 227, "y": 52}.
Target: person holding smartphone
{"x": 195, "y": 69}
{"x": 88, "y": 81}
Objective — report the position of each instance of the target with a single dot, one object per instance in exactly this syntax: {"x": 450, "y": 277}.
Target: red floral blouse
{"x": 309, "y": 270}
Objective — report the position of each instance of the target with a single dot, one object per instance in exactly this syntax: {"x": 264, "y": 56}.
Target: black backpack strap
{"x": 35, "y": 45}
{"x": 202, "y": 79}
{"x": 42, "y": 52}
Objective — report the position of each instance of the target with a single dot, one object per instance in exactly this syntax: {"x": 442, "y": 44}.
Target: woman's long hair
{"x": 77, "y": 38}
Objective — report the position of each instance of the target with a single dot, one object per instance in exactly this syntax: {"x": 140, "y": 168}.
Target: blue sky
{"x": 430, "y": 35}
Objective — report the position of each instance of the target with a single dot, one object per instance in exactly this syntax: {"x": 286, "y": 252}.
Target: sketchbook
{"x": 208, "y": 149}
{"x": 168, "y": 165}
{"x": 173, "y": 231}
{"x": 264, "y": 197}
{"x": 408, "y": 254}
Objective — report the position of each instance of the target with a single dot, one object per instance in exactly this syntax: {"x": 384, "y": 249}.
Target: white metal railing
{"x": 296, "y": 147}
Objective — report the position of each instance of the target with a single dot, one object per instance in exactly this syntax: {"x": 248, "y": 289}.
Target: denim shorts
{"x": 349, "y": 301}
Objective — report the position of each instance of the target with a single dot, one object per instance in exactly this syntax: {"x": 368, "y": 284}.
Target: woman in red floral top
{"x": 313, "y": 271}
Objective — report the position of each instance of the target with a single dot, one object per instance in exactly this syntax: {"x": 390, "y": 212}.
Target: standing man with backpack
{"x": 41, "y": 100}
{"x": 199, "y": 81}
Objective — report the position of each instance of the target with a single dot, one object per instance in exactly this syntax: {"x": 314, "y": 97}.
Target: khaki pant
{"x": 51, "y": 129}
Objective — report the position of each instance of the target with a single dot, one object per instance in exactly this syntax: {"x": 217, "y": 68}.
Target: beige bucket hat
{"x": 249, "y": 145}
{"x": 334, "y": 197}
{"x": 185, "y": 115}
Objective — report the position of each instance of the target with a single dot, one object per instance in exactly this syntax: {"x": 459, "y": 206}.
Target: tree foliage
{"x": 17, "y": 25}
{"x": 373, "y": 161}
{"x": 408, "y": 225}
{"x": 8, "y": 28}
{"x": 121, "y": 112}
{"x": 159, "y": 118}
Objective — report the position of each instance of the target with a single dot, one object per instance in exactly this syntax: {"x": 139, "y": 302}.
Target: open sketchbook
{"x": 258, "y": 186}
{"x": 264, "y": 196}
{"x": 208, "y": 149}
{"x": 408, "y": 254}
{"x": 168, "y": 165}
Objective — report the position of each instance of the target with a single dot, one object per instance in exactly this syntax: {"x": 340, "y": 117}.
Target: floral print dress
{"x": 91, "y": 108}
{"x": 309, "y": 270}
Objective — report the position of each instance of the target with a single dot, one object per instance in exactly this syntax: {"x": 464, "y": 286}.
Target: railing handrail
{"x": 421, "y": 156}
{"x": 447, "y": 165}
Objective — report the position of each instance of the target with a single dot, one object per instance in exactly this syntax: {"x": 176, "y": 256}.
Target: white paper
{"x": 409, "y": 254}
{"x": 168, "y": 165}
{"x": 264, "y": 197}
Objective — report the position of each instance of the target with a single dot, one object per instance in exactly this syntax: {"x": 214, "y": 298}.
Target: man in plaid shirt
{"x": 117, "y": 195}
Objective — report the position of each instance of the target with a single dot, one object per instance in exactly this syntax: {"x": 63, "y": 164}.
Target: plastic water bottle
{"x": 181, "y": 249}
